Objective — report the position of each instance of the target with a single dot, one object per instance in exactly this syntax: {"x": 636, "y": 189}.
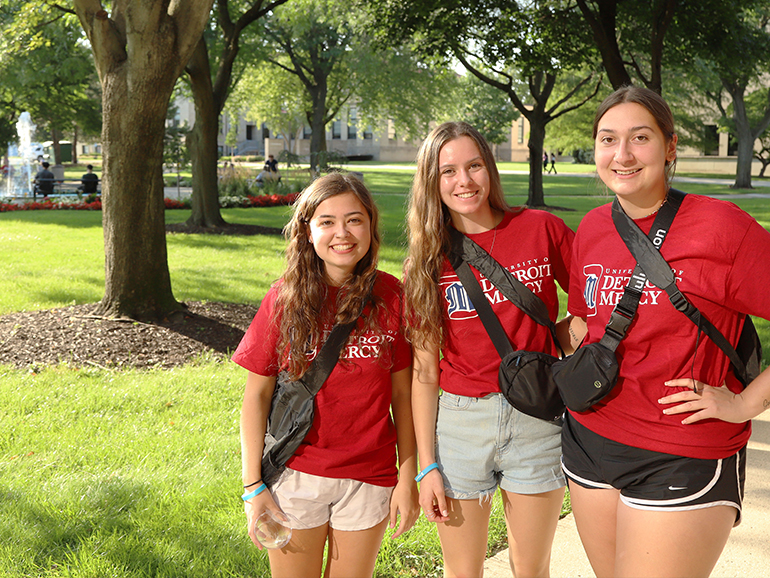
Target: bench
{"x": 66, "y": 187}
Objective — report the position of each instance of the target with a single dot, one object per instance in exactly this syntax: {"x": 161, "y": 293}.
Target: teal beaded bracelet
{"x": 259, "y": 490}
{"x": 422, "y": 474}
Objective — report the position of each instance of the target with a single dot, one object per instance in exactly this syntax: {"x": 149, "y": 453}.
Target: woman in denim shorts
{"x": 470, "y": 439}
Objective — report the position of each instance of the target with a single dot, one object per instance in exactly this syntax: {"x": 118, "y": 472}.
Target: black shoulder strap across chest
{"x": 321, "y": 367}
{"x": 625, "y": 309}
{"x": 465, "y": 251}
{"x": 646, "y": 251}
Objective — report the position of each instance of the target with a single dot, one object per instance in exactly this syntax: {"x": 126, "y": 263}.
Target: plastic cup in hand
{"x": 273, "y": 529}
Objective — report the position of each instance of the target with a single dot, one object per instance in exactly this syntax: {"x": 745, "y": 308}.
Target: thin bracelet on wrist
{"x": 253, "y": 483}
{"x": 259, "y": 490}
{"x": 422, "y": 474}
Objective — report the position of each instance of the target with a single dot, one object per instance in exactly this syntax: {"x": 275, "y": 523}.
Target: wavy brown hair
{"x": 302, "y": 298}
{"x": 427, "y": 222}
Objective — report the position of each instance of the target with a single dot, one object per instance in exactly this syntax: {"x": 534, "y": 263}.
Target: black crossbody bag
{"x": 590, "y": 374}
{"x": 524, "y": 376}
{"x": 292, "y": 409}
{"x": 746, "y": 357}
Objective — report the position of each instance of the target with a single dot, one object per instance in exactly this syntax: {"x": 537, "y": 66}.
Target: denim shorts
{"x": 484, "y": 442}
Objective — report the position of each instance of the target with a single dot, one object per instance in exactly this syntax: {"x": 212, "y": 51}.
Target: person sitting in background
{"x": 89, "y": 182}
{"x": 43, "y": 181}
{"x": 269, "y": 172}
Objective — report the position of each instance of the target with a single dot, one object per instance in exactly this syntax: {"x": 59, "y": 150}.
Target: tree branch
{"x": 107, "y": 38}
{"x": 507, "y": 88}
{"x": 188, "y": 16}
{"x": 578, "y": 105}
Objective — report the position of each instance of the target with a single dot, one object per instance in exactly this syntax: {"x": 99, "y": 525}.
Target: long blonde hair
{"x": 428, "y": 220}
{"x": 302, "y": 298}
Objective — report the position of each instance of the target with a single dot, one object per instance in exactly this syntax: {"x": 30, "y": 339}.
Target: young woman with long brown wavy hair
{"x": 341, "y": 486}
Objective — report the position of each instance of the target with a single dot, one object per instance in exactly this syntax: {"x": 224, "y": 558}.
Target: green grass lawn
{"x": 137, "y": 473}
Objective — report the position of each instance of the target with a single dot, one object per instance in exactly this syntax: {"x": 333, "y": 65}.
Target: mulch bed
{"x": 74, "y": 335}
{"x": 229, "y": 229}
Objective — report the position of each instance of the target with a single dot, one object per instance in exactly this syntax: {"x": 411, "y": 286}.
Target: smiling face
{"x": 340, "y": 232}
{"x": 464, "y": 185}
{"x": 631, "y": 155}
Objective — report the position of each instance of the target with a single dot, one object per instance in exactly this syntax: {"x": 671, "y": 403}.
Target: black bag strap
{"x": 323, "y": 364}
{"x": 660, "y": 274}
{"x": 625, "y": 310}
{"x": 466, "y": 251}
{"x": 483, "y": 308}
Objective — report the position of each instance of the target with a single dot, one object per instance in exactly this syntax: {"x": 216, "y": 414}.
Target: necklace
{"x": 659, "y": 206}
{"x": 494, "y": 238}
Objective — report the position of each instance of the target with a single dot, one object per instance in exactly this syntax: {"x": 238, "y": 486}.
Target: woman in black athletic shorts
{"x": 656, "y": 468}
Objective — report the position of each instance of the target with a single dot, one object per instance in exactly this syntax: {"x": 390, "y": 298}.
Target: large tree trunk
{"x": 75, "y": 144}
{"x": 603, "y": 26}
{"x": 317, "y": 120}
{"x": 745, "y": 138}
{"x": 202, "y": 143}
{"x": 137, "y": 280}
{"x": 139, "y": 51}
{"x": 536, "y": 197}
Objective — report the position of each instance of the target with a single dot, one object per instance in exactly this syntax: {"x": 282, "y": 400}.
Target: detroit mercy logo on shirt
{"x": 531, "y": 273}
{"x": 362, "y": 346}
{"x": 605, "y": 285}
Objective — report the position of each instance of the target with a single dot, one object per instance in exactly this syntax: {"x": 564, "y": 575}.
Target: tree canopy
{"x": 518, "y": 49}
{"x": 47, "y": 70}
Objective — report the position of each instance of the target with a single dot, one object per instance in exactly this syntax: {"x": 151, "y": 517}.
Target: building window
{"x": 337, "y": 129}
{"x": 710, "y": 140}
{"x": 520, "y": 137}
{"x": 250, "y": 131}
{"x": 392, "y": 130}
{"x": 352, "y": 123}
{"x": 307, "y": 132}
{"x": 368, "y": 135}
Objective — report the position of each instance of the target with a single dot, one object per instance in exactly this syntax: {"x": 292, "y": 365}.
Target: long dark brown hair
{"x": 302, "y": 298}
{"x": 428, "y": 220}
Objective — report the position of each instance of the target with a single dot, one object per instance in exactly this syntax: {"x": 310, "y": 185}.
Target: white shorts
{"x": 347, "y": 505}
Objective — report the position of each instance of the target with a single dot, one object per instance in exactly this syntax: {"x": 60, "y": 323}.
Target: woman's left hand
{"x": 706, "y": 402}
{"x": 404, "y": 502}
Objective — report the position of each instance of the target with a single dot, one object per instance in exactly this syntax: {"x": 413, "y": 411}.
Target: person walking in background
{"x": 656, "y": 468}
{"x": 553, "y": 164}
{"x": 470, "y": 438}
{"x": 545, "y": 161}
{"x": 341, "y": 487}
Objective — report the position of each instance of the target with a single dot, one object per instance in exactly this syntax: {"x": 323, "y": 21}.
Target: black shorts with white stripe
{"x": 650, "y": 480}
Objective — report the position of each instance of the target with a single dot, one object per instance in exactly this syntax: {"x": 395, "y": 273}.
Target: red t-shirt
{"x": 719, "y": 256}
{"x": 535, "y": 246}
{"x": 352, "y": 436}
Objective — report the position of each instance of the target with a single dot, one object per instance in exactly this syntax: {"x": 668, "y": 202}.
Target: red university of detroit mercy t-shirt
{"x": 535, "y": 247}
{"x": 352, "y": 436}
{"x": 718, "y": 254}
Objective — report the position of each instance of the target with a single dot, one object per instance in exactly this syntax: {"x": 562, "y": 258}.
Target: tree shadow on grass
{"x": 122, "y": 528}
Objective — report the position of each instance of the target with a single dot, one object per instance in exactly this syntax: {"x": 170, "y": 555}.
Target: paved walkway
{"x": 747, "y": 554}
